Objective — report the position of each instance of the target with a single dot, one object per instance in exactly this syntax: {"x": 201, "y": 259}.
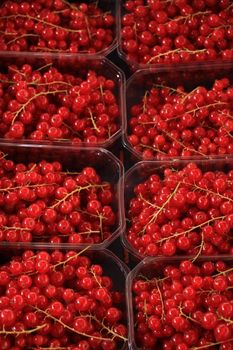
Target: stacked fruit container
{"x": 116, "y": 197}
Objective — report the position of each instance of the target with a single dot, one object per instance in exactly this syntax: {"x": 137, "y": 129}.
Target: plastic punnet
{"x": 74, "y": 159}
{"x": 112, "y": 267}
{"x": 152, "y": 268}
{"x": 108, "y": 6}
{"x": 79, "y": 66}
{"x": 169, "y": 58}
{"x": 143, "y": 80}
{"x": 141, "y": 171}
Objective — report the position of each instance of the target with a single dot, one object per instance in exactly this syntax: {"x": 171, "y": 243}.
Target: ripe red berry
{"x": 82, "y": 27}
{"x": 160, "y": 32}
{"x": 56, "y": 105}
{"x": 43, "y": 202}
{"x": 180, "y": 318}
{"x": 184, "y": 211}
{"x": 46, "y": 313}
{"x": 171, "y": 120}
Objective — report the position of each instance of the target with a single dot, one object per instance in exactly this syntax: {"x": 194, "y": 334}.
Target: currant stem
{"x": 26, "y": 331}
{"x": 80, "y": 333}
{"x": 71, "y": 258}
{"x": 223, "y": 272}
{"x": 183, "y": 145}
{"x": 211, "y": 344}
{"x": 192, "y": 228}
{"x": 200, "y": 248}
{"x": 148, "y": 202}
{"x": 43, "y": 22}
{"x": 154, "y": 216}
{"x": 152, "y": 148}
{"x": 173, "y": 90}
{"x": 5, "y": 228}
{"x": 212, "y": 192}
{"x": 145, "y": 101}
{"x": 175, "y": 51}
{"x": 21, "y": 37}
{"x": 93, "y": 120}
{"x": 227, "y": 320}
{"x": 161, "y": 299}
{"x": 109, "y": 331}
{"x": 43, "y": 93}
{"x": 187, "y": 316}
{"x": 192, "y": 15}
{"x": 8, "y": 189}
{"x": 145, "y": 310}
{"x": 77, "y": 190}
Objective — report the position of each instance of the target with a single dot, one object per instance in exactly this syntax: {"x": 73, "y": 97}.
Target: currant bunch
{"x": 185, "y": 212}
{"x": 170, "y": 121}
{"x": 188, "y": 306}
{"x": 176, "y": 31}
{"x": 55, "y": 26}
{"x": 48, "y": 104}
{"x": 59, "y": 300}
{"x": 43, "y": 202}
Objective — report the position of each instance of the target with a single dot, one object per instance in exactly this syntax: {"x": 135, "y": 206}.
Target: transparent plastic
{"x": 107, "y": 6}
{"x": 142, "y": 170}
{"x": 74, "y": 159}
{"x": 152, "y": 268}
{"x": 112, "y": 266}
{"x": 135, "y": 65}
{"x": 144, "y": 79}
{"x": 75, "y": 64}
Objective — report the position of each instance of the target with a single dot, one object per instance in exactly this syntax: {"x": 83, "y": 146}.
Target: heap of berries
{"x": 59, "y": 300}
{"x": 187, "y": 307}
{"x": 48, "y": 104}
{"x": 55, "y": 26}
{"x": 187, "y": 212}
{"x": 177, "y": 31}
{"x": 43, "y": 202}
{"x": 170, "y": 121}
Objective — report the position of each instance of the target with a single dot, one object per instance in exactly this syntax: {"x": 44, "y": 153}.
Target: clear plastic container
{"x": 112, "y": 266}
{"x": 152, "y": 268}
{"x": 184, "y": 62}
{"x": 140, "y": 172}
{"x": 76, "y": 65}
{"x": 143, "y": 80}
{"x": 74, "y": 159}
{"x": 108, "y": 6}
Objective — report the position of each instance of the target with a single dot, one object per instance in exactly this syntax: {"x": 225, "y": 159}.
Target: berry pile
{"x": 55, "y": 26}
{"x": 173, "y": 121}
{"x": 177, "y": 31}
{"x": 43, "y": 202}
{"x": 188, "y": 307}
{"x": 185, "y": 212}
{"x": 47, "y": 103}
{"x": 59, "y": 301}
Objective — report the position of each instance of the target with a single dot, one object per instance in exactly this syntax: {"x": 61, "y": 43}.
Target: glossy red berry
{"x": 168, "y": 312}
{"x": 181, "y": 211}
{"x": 46, "y": 313}
{"x": 83, "y": 27}
{"x": 155, "y": 32}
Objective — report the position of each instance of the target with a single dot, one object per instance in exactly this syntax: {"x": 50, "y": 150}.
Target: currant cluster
{"x": 187, "y": 212}
{"x": 59, "y": 301}
{"x": 42, "y": 202}
{"x": 171, "y": 121}
{"x": 46, "y": 103}
{"x": 55, "y": 26}
{"x": 188, "y": 307}
{"x": 177, "y": 31}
